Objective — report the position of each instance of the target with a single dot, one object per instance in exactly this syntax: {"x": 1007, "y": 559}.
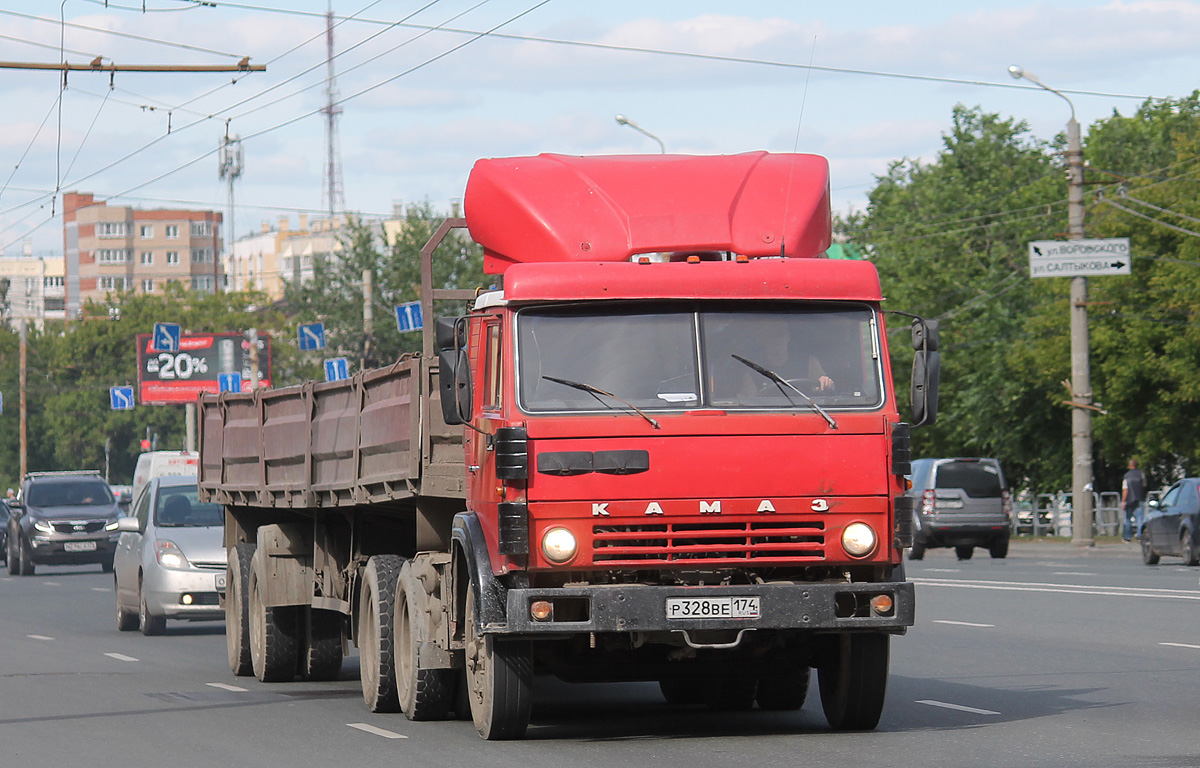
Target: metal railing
{"x": 1051, "y": 514}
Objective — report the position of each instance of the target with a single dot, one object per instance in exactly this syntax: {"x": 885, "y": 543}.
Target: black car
{"x": 62, "y": 518}
{"x": 1170, "y": 525}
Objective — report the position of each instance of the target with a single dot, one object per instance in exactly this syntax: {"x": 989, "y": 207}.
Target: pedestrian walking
{"x": 1133, "y": 494}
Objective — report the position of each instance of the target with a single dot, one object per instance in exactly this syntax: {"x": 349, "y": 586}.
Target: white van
{"x": 157, "y": 463}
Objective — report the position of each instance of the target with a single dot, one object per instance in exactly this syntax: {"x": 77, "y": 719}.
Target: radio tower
{"x": 335, "y": 201}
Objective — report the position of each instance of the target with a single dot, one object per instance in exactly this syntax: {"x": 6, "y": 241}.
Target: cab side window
{"x": 492, "y": 367}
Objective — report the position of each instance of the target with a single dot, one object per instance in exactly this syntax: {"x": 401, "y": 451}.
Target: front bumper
{"x": 62, "y": 549}
{"x": 810, "y": 607}
{"x": 165, "y": 590}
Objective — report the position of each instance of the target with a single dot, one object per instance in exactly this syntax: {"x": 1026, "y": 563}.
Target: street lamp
{"x": 622, "y": 120}
{"x": 1081, "y": 385}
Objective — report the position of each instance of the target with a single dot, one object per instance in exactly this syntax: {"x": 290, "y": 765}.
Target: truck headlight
{"x": 558, "y": 545}
{"x": 858, "y": 539}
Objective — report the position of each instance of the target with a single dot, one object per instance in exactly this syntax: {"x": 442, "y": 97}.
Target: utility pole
{"x": 231, "y": 170}
{"x": 22, "y": 377}
{"x": 1081, "y": 375}
{"x": 252, "y": 334}
{"x": 335, "y": 200}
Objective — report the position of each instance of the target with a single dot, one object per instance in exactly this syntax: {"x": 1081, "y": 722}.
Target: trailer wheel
{"x": 785, "y": 690}
{"x": 237, "y": 609}
{"x": 272, "y": 632}
{"x": 321, "y": 652}
{"x": 424, "y": 694}
{"x": 853, "y": 681}
{"x": 499, "y": 681}
{"x": 376, "y": 632}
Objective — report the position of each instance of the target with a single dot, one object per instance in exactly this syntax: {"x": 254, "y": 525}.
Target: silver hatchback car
{"x": 170, "y": 560}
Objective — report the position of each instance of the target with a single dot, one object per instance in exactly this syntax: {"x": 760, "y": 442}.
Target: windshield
{"x": 179, "y": 506}
{"x": 75, "y": 494}
{"x": 685, "y": 358}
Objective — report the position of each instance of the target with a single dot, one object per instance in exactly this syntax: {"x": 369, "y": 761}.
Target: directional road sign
{"x": 165, "y": 338}
{"x": 1079, "y": 258}
{"x": 229, "y": 382}
{"x": 312, "y": 336}
{"x": 121, "y": 398}
{"x": 337, "y": 369}
{"x": 408, "y": 317}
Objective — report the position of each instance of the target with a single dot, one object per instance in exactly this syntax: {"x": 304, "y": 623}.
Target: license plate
{"x": 220, "y": 581}
{"x": 712, "y": 608}
{"x": 80, "y": 546}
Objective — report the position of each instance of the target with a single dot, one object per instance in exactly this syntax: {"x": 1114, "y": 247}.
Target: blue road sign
{"x": 121, "y": 398}
{"x": 229, "y": 382}
{"x": 312, "y": 336}
{"x": 166, "y": 337}
{"x": 408, "y": 317}
{"x": 337, "y": 369}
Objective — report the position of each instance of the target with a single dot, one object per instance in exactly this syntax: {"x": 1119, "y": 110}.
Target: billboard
{"x": 180, "y": 377}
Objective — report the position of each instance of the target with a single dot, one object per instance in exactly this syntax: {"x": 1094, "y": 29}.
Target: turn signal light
{"x": 881, "y": 604}
{"x": 541, "y": 610}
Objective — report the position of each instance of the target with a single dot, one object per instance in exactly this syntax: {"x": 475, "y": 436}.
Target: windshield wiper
{"x": 597, "y": 391}
{"x": 781, "y": 383}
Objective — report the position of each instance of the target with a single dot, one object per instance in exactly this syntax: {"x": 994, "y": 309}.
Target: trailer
{"x": 666, "y": 447}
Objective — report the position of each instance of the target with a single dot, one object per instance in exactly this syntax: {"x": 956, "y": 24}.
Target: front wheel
{"x": 499, "y": 681}
{"x": 1187, "y": 548}
{"x": 12, "y": 558}
{"x": 149, "y": 623}
{"x": 918, "y": 550}
{"x": 1149, "y": 556}
{"x": 127, "y": 620}
{"x": 25, "y": 565}
{"x": 853, "y": 681}
{"x": 785, "y": 689}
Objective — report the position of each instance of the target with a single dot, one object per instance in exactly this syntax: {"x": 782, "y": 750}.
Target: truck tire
{"x": 376, "y": 635}
{"x": 237, "y": 609}
{"x": 680, "y": 692}
{"x": 320, "y": 655}
{"x": 785, "y": 690}
{"x": 853, "y": 681}
{"x": 732, "y": 694}
{"x": 273, "y": 632}
{"x": 127, "y": 621}
{"x": 424, "y": 694}
{"x": 499, "y": 681}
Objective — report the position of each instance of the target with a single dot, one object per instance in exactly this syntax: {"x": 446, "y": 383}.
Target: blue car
{"x": 1170, "y": 525}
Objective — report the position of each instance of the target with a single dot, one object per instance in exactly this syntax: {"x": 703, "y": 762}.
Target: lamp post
{"x": 1081, "y": 385}
{"x": 622, "y": 120}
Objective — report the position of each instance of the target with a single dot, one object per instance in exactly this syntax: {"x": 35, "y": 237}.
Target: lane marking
{"x": 1181, "y": 645}
{"x": 1073, "y": 573}
{"x": 120, "y": 657}
{"x": 101, "y": 589}
{"x": 957, "y": 707}
{"x": 961, "y": 623}
{"x": 377, "y": 731}
{"x": 39, "y": 637}
{"x": 1069, "y": 589}
{"x": 227, "y": 687}
{"x": 52, "y": 584}
{"x": 943, "y": 570}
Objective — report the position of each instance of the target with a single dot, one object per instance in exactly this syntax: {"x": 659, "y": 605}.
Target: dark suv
{"x": 62, "y": 518}
{"x": 961, "y": 503}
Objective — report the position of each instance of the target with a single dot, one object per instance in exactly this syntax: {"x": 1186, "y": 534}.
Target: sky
{"x": 426, "y": 87}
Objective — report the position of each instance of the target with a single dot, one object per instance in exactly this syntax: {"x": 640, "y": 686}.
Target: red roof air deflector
{"x": 562, "y": 208}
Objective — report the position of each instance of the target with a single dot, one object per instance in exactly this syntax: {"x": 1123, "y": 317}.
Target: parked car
{"x": 962, "y": 503}
{"x": 170, "y": 561}
{"x": 62, "y": 518}
{"x": 1170, "y": 524}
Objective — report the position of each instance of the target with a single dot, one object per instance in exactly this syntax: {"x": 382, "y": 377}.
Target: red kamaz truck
{"x": 668, "y": 448}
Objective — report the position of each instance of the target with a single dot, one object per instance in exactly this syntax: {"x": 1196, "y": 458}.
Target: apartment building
{"x": 36, "y": 289}
{"x": 274, "y": 257}
{"x": 115, "y": 248}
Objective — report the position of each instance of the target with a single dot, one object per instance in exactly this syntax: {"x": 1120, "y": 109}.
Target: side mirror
{"x": 128, "y": 524}
{"x": 1153, "y": 503}
{"x": 454, "y": 371}
{"x": 926, "y": 373}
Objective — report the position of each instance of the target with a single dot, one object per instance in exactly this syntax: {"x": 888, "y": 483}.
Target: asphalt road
{"x": 1053, "y": 657}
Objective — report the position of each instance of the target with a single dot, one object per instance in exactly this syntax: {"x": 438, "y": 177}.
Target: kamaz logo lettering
{"x": 766, "y": 506}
